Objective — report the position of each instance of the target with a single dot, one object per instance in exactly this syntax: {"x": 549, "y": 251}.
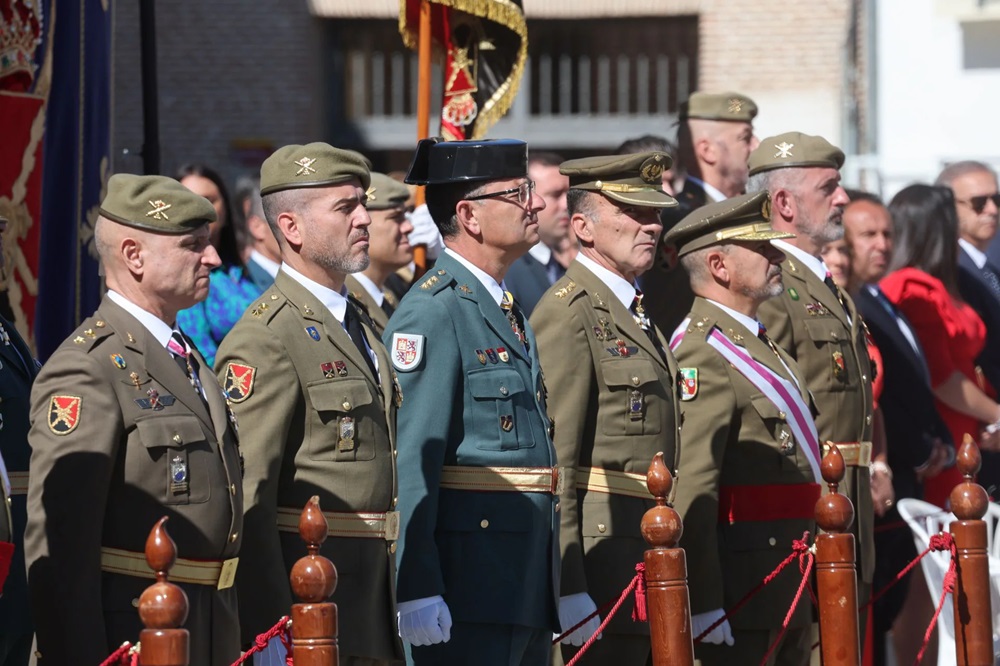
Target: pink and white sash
{"x": 678, "y": 335}
{"x": 781, "y": 392}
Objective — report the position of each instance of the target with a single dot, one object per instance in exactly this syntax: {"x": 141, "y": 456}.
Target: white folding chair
{"x": 925, "y": 520}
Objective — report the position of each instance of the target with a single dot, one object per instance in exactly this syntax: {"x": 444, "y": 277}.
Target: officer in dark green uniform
{"x": 478, "y": 488}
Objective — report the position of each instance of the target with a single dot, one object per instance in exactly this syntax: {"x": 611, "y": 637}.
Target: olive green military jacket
{"x": 735, "y": 436}
{"x": 612, "y": 411}
{"x": 810, "y": 324}
{"x": 313, "y": 422}
{"x": 113, "y": 421}
{"x": 362, "y": 299}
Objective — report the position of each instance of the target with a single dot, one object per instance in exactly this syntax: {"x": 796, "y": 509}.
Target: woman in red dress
{"x": 923, "y": 284}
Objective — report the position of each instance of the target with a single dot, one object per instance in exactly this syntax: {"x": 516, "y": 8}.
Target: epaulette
{"x": 702, "y": 326}
{"x": 265, "y": 307}
{"x": 565, "y": 292}
{"x": 89, "y": 332}
{"x": 434, "y": 282}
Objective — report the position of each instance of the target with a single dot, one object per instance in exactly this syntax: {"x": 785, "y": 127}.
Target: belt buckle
{"x": 227, "y": 576}
{"x": 558, "y": 480}
{"x": 391, "y": 525}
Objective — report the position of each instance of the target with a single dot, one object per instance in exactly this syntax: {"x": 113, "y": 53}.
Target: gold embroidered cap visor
{"x": 312, "y": 165}
{"x": 743, "y": 218}
{"x": 794, "y": 149}
{"x": 386, "y": 193}
{"x": 632, "y": 179}
{"x": 155, "y": 203}
{"x": 730, "y": 106}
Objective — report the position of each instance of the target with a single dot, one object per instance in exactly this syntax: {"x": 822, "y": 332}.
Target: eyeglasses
{"x": 977, "y": 204}
{"x": 524, "y": 192}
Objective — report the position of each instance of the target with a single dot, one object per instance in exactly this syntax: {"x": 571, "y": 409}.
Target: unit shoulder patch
{"x": 688, "y": 383}
{"x": 407, "y": 351}
{"x": 238, "y": 385}
{"x": 64, "y": 413}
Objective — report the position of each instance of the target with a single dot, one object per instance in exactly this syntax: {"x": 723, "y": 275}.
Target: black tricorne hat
{"x": 438, "y": 162}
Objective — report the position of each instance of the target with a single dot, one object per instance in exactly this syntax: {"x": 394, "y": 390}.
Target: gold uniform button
{"x": 602, "y": 528}
{"x": 484, "y": 523}
{"x": 864, "y": 378}
{"x": 868, "y": 420}
{"x": 782, "y": 415}
{"x": 503, "y": 390}
{"x": 395, "y": 501}
{"x": 558, "y": 506}
{"x": 538, "y": 396}
{"x": 346, "y": 406}
{"x": 395, "y": 453}
{"x": 392, "y": 547}
{"x": 177, "y": 438}
{"x": 772, "y": 541}
{"x": 234, "y": 536}
{"x": 274, "y": 297}
{"x": 232, "y": 489}
{"x": 635, "y": 381}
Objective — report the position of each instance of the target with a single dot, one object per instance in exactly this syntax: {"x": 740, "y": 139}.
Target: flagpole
{"x": 423, "y": 112}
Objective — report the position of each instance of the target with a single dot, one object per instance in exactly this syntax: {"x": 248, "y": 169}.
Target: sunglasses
{"x": 523, "y": 190}
{"x": 977, "y": 204}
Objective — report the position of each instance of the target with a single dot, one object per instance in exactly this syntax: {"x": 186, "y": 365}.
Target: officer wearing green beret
{"x": 479, "y": 551}
{"x": 750, "y": 463}
{"x": 388, "y": 250}
{"x": 616, "y": 405}
{"x": 17, "y": 371}
{"x": 316, "y": 396}
{"x": 714, "y": 140}
{"x": 814, "y": 320}
{"x": 128, "y": 424}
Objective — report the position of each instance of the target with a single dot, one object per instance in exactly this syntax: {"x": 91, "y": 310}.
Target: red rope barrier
{"x": 799, "y": 546}
{"x": 281, "y": 629}
{"x": 805, "y": 571}
{"x": 638, "y": 614}
{"x": 120, "y": 656}
{"x": 941, "y": 541}
{"x": 624, "y": 595}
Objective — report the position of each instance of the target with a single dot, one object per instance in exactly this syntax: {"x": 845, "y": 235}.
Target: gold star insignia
{"x": 784, "y": 149}
{"x": 79, "y": 340}
{"x": 159, "y": 211}
{"x": 305, "y": 166}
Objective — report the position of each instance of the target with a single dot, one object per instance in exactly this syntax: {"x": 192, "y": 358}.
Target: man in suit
{"x": 750, "y": 463}
{"x": 714, "y": 141}
{"x": 813, "y": 320}
{"x": 918, "y": 443}
{"x": 615, "y": 412}
{"x": 478, "y": 491}
{"x": 17, "y": 371}
{"x": 546, "y": 261}
{"x": 264, "y": 257}
{"x": 388, "y": 250}
{"x": 128, "y": 424}
{"x": 317, "y": 398}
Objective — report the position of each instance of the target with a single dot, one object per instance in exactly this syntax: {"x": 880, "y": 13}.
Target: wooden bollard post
{"x": 836, "y": 575}
{"x": 163, "y": 607}
{"x": 973, "y": 616}
{"x": 314, "y": 578}
{"x": 667, "y": 603}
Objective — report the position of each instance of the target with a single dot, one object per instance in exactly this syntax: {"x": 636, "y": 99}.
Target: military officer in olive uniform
{"x": 479, "y": 558}
{"x": 128, "y": 424}
{"x": 616, "y": 411}
{"x": 388, "y": 250}
{"x": 714, "y": 140}
{"x": 750, "y": 460}
{"x": 316, "y": 396}
{"x": 814, "y": 320}
{"x": 17, "y": 370}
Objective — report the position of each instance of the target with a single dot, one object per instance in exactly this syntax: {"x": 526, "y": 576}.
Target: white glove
{"x": 424, "y": 621}
{"x": 721, "y": 634}
{"x": 572, "y": 609}
{"x": 425, "y": 232}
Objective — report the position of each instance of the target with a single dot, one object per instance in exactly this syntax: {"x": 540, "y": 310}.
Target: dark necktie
{"x": 178, "y": 348}
{"x": 387, "y": 307}
{"x": 991, "y": 279}
{"x": 352, "y": 323}
{"x": 554, "y": 270}
{"x": 904, "y": 327}
{"x": 828, "y": 280}
{"x": 639, "y": 315}
{"x": 762, "y": 335}
{"x": 510, "y": 311}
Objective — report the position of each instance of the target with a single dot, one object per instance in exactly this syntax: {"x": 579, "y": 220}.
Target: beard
{"x": 831, "y": 230}
{"x": 770, "y": 289}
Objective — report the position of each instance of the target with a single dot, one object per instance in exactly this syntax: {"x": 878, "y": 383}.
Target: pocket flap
{"x": 766, "y": 408}
{"x": 339, "y": 395}
{"x": 825, "y": 329}
{"x": 173, "y": 430}
{"x": 495, "y": 383}
{"x": 627, "y": 371}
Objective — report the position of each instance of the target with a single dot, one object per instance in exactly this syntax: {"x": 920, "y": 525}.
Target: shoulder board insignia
{"x": 79, "y": 340}
{"x": 563, "y": 292}
{"x": 429, "y": 282}
{"x": 239, "y": 381}
{"x": 464, "y": 288}
{"x": 688, "y": 383}
{"x": 64, "y": 413}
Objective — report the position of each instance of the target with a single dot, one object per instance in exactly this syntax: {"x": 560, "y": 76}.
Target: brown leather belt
{"x": 220, "y": 574}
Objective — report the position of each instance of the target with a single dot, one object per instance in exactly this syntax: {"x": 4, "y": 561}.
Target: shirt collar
{"x": 541, "y": 252}
{"x": 815, "y": 264}
{"x": 496, "y": 291}
{"x": 709, "y": 190}
{"x": 751, "y": 324}
{"x": 270, "y": 266}
{"x": 977, "y": 256}
{"x": 623, "y": 290}
{"x": 160, "y": 329}
{"x": 335, "y": 302}
{"x": 370, "y": 287}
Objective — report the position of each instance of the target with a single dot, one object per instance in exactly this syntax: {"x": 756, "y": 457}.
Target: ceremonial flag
{"x": 484, "y": 45}
{"x": 77, "y": 163}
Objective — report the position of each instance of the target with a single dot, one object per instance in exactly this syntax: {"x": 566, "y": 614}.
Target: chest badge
{"x": 312, "y": 332}
{"x": 178, "y": 475}
{"x": 346, "y": 442}
{"x": 688, "y": 383}
{"x": 839, "y": 367}
{"x": 118, "y": 360}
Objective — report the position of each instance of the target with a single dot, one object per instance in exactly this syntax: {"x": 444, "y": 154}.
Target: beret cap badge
{"x": 158, "y": 210}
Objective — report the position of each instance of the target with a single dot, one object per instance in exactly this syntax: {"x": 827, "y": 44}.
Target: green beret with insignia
{"x": 743, "y": 218}
{"x": 730, "y": 106}
{"x": 386, "y": 193}
{"x": 155, "y": 203}
{"x": 633, "y": 179}
{"x": 312, "y": 165}
{"x": 795, "y": 149}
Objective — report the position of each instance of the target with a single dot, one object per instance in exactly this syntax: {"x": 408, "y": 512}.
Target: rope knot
{"x": 639, "y": 611}
{"x": 941, "y": 541}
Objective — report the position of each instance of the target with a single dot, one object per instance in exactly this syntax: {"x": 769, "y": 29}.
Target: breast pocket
{"x": 178, "y": 459}
{"x": 835, "y": 368}
{"x": 501, "y": 412}
{"x": 776, "y": 424}
{"x": 342, "y": 428}
{"x": 632, "y": 403}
